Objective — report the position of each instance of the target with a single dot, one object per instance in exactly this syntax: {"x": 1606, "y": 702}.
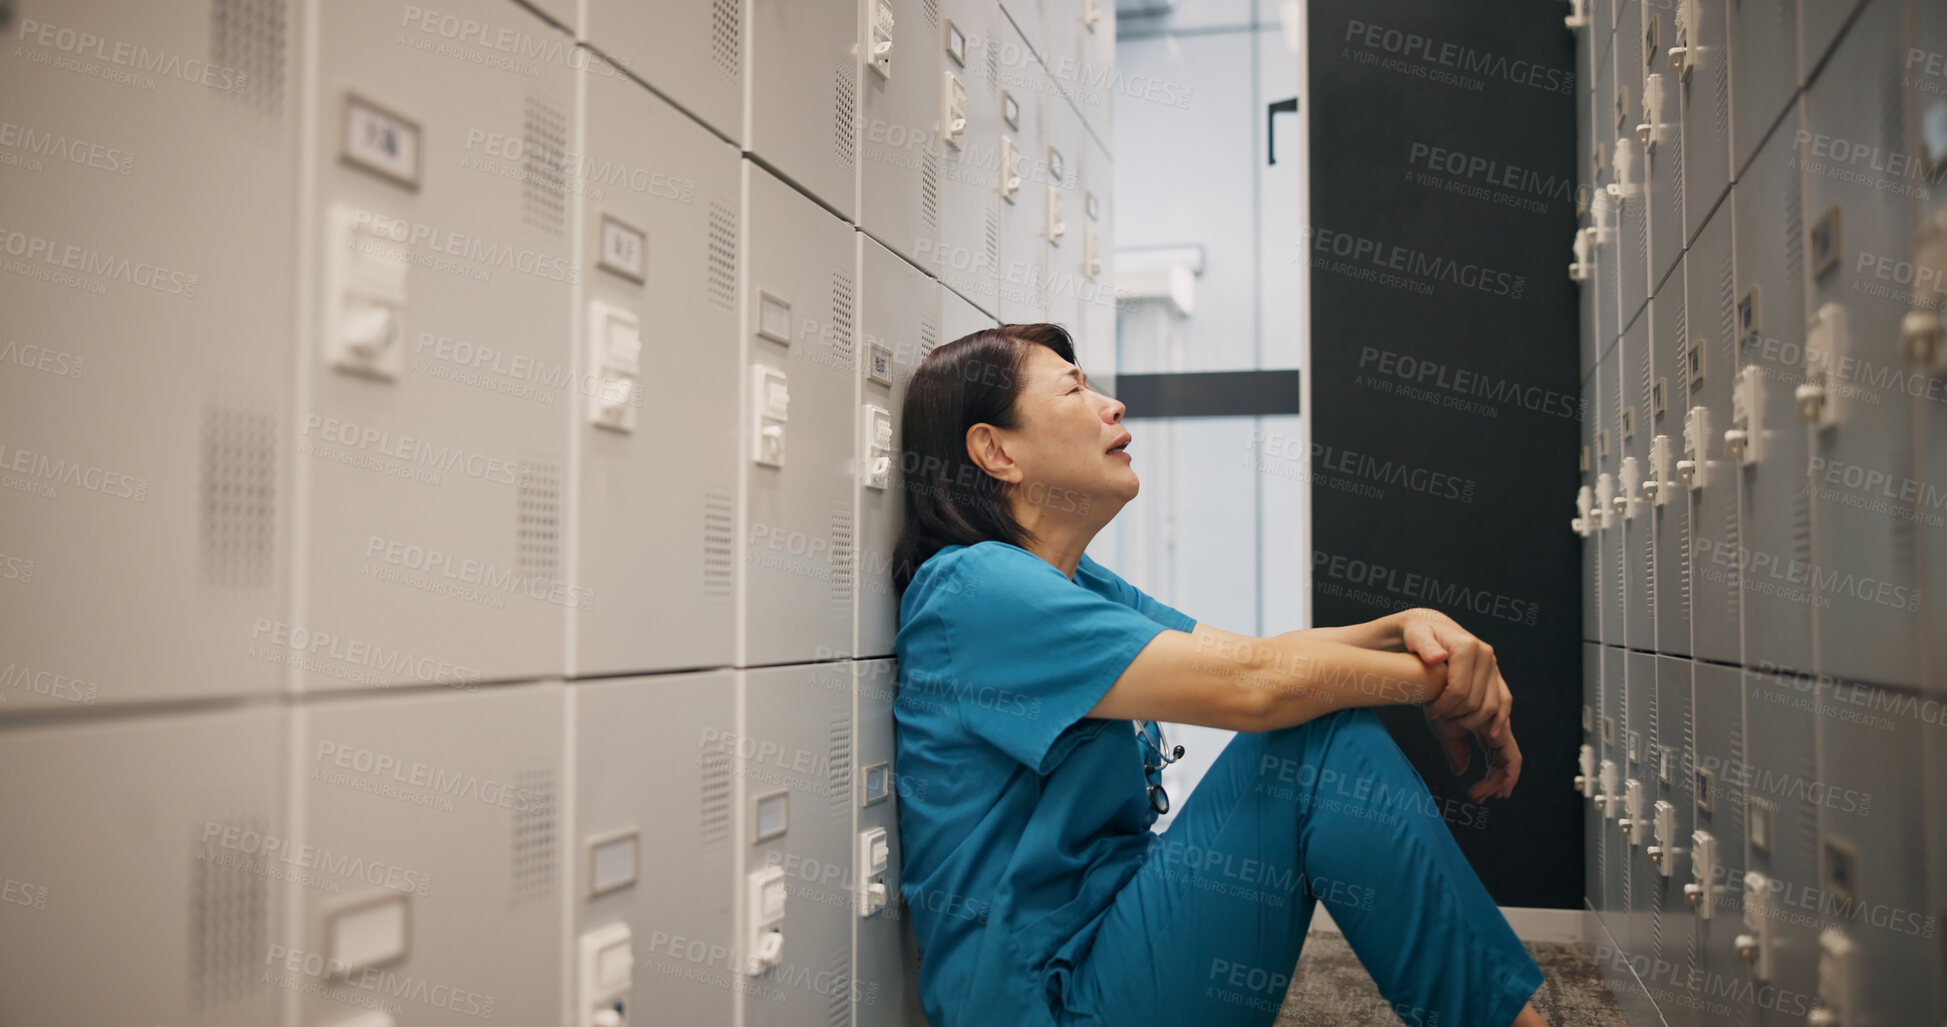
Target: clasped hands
{"x": 1474, "y": 703}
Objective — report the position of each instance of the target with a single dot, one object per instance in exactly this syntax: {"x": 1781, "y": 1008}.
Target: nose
{"x": 1113, "y": 411}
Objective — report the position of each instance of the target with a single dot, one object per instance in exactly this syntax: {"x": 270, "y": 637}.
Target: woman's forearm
{"x": 1383, "y": 634}
{"x": 1309, "y": 677}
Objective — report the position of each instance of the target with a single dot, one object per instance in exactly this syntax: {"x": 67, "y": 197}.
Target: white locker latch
{"x": 878, "y": 38}
{"x": 1608, "y": 800}
{"x": 1920, "y": 331}
{"x": 1091, "y": 253}
{"x": 1578, "y": 14}
{"x": 365, "y": 295}
{"x": 1628, "y": 497}
{"x": 615, "y": 359}
{"x": 1744, "y": 439}
{"x": 953, "y": 120}
{"x": 770, "y": 402}
{"x": 1583, "y": 523}
{"x": 1624, "y": 187}
{"x": 874, "y": 853}
{"x": 1580, "y": 269}
{"x": 1633, "y": 825}
{"x": 875, "y": 458}
{"x": 1694, "y": 469}
{"x": 607, "y": 975}
{"x": 1680, "y": 62}
{"x": 1650, "y": 132}
{"x": 1657, "y": 488}
{"x": 764, "y": 909}
{"x": 1665, "y": 821}
{"x": 1703, "y": 867}
{"x": 1820, "y": 395}
{"x": 1585, "y": 761}
{"x": 1010, "y": 177}
{"x": 1835, "y": 980}
{"x": 1754, "y": 945}
{"x": 1605, "y": 499}
{"x": 1091, "y": 13}
{"x": 1057, "y": 225}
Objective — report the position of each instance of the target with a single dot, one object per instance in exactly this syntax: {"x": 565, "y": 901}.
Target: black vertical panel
{"x": 1445, "y": 378}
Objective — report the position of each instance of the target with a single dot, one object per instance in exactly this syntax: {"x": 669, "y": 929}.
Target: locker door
{"x": 886, "y": 953}
{"x": 652, "y": 839}
{"x": 1783, "y": 800}
{"x": 1659, "y": 139}
{"x": 657, "y": 309}
{"x": 1775, "y": 529}
{"x": 1764, "y": 71}
{"x": 1630, "y": 164}
{"x": 1716, "y": 847}
{"x": 1025, "y": 159}
{"x": 1867, "y": 501}
{"x": 1667, "y": 500}
{"x": 148, "y": 445}
{"x": 1702, "y": 73}
{"x": 1672, "y": 819}
{"x": 439, "y": 363}
{"x": 1709, "y": 365}
{"x": 803, "y": 113}
{"x": 1636, "y": 516}
{"x": 1609, "y": 496}
{"x": 692, "y": 53}
{"x": 969, "y": 259}
{"x": 900, "y": 151}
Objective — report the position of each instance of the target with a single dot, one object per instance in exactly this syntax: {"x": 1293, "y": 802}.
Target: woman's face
{"x": 1070, "y": 449}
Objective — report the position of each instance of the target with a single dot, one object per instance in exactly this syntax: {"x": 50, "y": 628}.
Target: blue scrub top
{"x": 1019, "y": 819}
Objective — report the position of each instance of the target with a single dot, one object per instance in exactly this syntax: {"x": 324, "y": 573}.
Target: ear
{"x": 989, "y": 453}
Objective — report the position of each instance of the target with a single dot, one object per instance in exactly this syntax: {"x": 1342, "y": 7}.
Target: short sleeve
{"x": 1032, "y": 651}
{"x": 1135, "y": 598}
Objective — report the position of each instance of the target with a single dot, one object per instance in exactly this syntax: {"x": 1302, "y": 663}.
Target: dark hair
{"x": 950, "y": 500}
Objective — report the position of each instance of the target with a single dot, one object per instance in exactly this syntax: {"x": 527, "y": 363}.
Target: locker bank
{"x": 457, "y": 487}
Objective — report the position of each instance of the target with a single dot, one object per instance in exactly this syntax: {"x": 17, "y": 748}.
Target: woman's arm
{"x": 1220, "y": 679}
{"x": 1384, "y": 634}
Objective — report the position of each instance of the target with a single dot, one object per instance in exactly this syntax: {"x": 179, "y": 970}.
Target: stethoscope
{"x": 1159, "y": 800}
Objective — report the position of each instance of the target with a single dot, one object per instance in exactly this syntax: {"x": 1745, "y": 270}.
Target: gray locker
{"x": 969, "y": 259}
{"x": 794, "y": 814}
{"x": 1093, "y": 262}
{"x": 1588, "y": 782}
{"x": 1030, "y": 19}
{"x": 1927, "y": 28}
{"x": 959, "y": 318}
{"x": 1591, "y": 517}
{"x": 1659, "y": 138}
{"x": 1666, "y": 502}
{"x": 886, "y": 952}
{"x": 1609, "y": 497}
{"x": 657, "y": 308}
{"x": 1672, "y": 818}
{"x": 1635, "y": 516}
{"x": 1873, "y": 873}
{"x": 652, "y": 843}
{"x": 140, "y": 884}
{"x": 799, "y": 437}
{"x": 899, "y": 320}
{"x": 1764, "y": 71}
{"x": 1715, "y": 859}
{"x": 691, "y": 53}
{"x": 1027, "y": 156}
{"x": 1630, "y": 167}
{"x": 1582, "y": 248}
{"x": 1605, "y": 205}
{"x": 1612, "y": 769}
{"x": 438, "y": 361}
{"x": 1065, "y": 226}
{"x": 1700, "y": 63}
{"x": 803, "y": 113}
{"x": 1934, "y": 799}
{"x": 1643, "y": 884}
{"x": 1710, "y": 310}
{"x": 148, "y": 444}
{"x": 1783, "y": 799}
{"x": 1928, "y": 351}
{"x": 1080, "y": 58}
{"x": 900, "y": 152}
{"x": 455, "y": 836}
{"x": 1866, "y": 498}
{"x": 1775, "y": 530}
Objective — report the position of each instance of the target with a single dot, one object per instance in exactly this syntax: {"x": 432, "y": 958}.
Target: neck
{"x": 1063, "y": 537}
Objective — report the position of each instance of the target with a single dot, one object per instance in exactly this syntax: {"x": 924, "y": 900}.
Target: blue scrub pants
{"x": 1208, "y": 932}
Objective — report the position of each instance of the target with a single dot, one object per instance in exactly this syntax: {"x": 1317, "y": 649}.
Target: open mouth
{"x": 1121, "y": 446}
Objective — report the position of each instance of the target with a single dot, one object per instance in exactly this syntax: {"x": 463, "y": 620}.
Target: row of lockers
{"x": 593, "y": 854}
{"x": 1763, "y": 507}
{"x": 421, "y": 354}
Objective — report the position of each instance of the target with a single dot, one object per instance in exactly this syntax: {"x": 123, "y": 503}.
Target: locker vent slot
{"x": 1802, "y": 526}
{"x": 1733, "y": 573}
{"x": 534, "y": 836}
{"x": 840, "y": 977}
{"x": 1674, "y": 144}
{"x": 929, "y": 188}
{"x": 718, "y": 539}
{"x": 229, "y": 920}
{"x": 544, "y": 192}
{"x": 993, "y": 67}
{"x": 538, "y": 531}
{"x": 840, "y": 767}
{"x": 1721, "y": 108}
{"x": 714, "y": 794}
{"x": 239, "y": 497}
{"x": 247, "y": 37}
{"x": 993, "y": 236}
{"x": 1794, "y": 235}
{"x": 929, "y": 336}
{"x": 845, "y": 113}
{"x": 842, "y": 556}
{"x": 722, "y": 256}
{"x": 931, "y": 10}
{"x": 1726, "y": 313}
{"x": 842, "y": 317}
{"x": 726, "y": 30}
{"x": 1892, "y": 103}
